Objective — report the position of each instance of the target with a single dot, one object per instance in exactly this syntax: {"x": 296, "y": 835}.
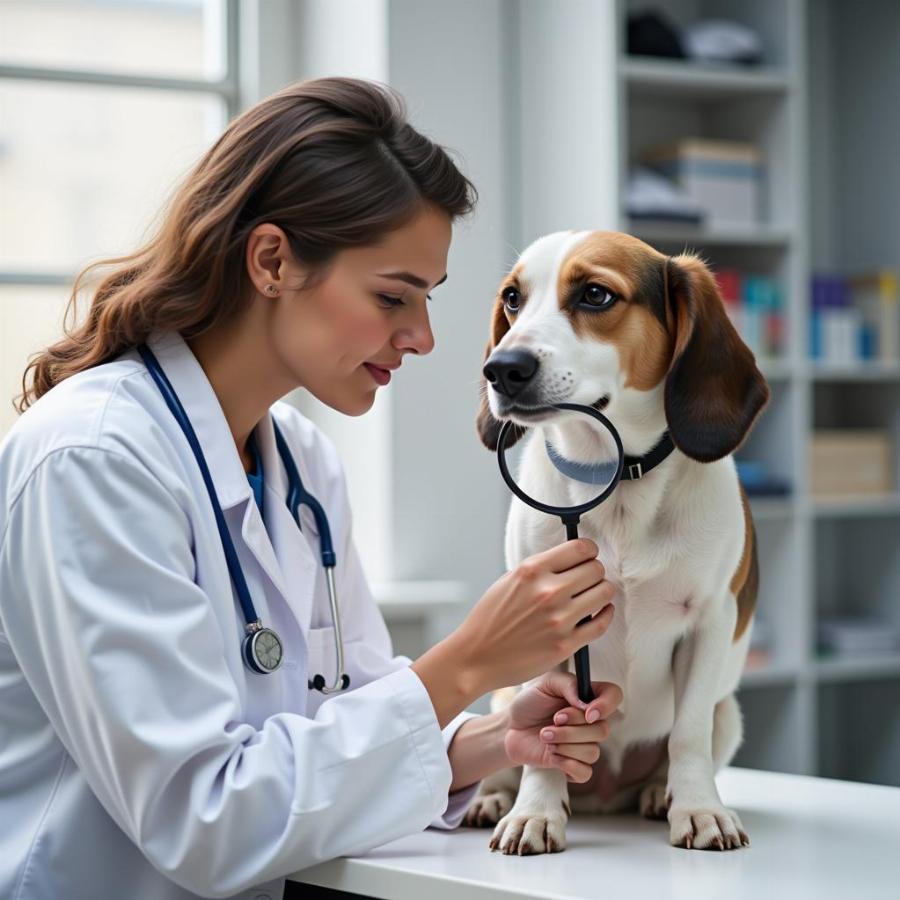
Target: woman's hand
{"x": 527, "y": 621}
{"x": 549, "y": 727}
{"x": 525, "y": 624}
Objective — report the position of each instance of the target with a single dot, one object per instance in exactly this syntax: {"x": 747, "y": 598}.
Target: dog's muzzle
{"x": 511, "y": 372}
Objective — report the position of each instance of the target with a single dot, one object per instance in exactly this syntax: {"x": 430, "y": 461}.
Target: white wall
{"x": 568, "y": 112}
{"x": 448, "y": 59}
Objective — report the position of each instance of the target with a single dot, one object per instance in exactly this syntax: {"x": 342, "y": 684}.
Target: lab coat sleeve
{"x": 457, "y": 802}
{"x": 123, "y": 651}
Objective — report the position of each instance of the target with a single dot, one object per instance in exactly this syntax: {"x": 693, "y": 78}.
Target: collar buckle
{"x": 635, "y": 471}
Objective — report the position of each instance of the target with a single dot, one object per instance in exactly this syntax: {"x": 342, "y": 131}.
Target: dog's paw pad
{"x": 716, "y": 828}
{"x": 488, "y": 809}
{"x": 654, "y": 804}
{"x": 529, "y": 835}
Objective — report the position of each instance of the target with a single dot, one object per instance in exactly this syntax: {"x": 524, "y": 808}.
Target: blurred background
{"x": 760, "y": 133}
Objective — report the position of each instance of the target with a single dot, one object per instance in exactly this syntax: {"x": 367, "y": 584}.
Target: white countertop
{"x": 810, "y": 838}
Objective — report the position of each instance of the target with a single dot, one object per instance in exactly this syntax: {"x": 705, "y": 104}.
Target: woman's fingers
{"x": 566, "y": 555}
{"x": 568, "y": 716}
{"x": 607, "y": 698}
{"x": 596, "y": 626}
{"x": 576, "y": 734}
{"x": 585, "y": 575}
{"x": 586, "y": 753}
{"x": 588, "y": 602}
{"x": 561, "y": 684}
{"x": 575, "y": 770}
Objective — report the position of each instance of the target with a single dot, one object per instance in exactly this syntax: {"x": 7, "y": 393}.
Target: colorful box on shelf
{"x": 855, "y": 319}
{"x": 758, "y": 479}
{"x": 755, "y": 305}
{"x": 723, "y": 177}
{"x": 849, "y": 462}
{"x": 877, "y": 297}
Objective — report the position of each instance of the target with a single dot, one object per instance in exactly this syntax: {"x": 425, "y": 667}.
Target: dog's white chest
{"x": 658, "y": 600}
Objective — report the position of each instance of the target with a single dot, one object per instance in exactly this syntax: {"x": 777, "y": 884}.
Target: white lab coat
{"x": 139, "y": 757}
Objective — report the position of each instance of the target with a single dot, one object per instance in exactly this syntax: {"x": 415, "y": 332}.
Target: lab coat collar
{"x": 227, "y": 471}
{"x": 217, "y": 442}
{"x": 206, "y": 415}
{"x": 294, "y": 546}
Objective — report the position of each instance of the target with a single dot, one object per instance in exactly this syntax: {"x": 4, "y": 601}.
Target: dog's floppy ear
{"x": 489, "y": 427}
{"x": 714, "y": 390}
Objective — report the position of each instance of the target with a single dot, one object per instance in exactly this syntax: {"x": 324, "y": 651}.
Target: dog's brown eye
{"x": 598, "y": 297}
{"x": 511, "y": 299}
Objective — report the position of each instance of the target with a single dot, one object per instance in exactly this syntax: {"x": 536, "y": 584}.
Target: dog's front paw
{"x": 713, "y": 828}
{"x": 524, "y": 835}
{"x": 653, "y": 803}
{"x": 488, "y": 809}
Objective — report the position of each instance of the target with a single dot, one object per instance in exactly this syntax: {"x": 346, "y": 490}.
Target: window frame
{"x": 228, "y": 88}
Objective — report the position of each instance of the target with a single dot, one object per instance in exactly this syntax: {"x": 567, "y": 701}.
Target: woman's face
{"x": 341, "y": 337}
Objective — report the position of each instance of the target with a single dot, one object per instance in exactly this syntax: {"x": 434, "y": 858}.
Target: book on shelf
{"x": 755, "y": 305}
{"x": 855, "y": 319}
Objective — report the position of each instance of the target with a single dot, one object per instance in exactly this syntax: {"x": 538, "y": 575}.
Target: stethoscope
{"x": 261, "y": 649}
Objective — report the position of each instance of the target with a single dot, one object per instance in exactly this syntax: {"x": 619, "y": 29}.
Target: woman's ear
{"x": 489, "y": 427}
{"x": 714, "y": 390}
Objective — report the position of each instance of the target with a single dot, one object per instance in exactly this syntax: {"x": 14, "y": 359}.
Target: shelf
{"x": 861, "y": 371}
{"x": 649, "y": 76}
{"x": 748, "y": 236}
{"x": 770, "y": 509}
{"x": 819, "y": 556}
{"x": 855, "y": 506}
{"x": 769, "y": 676}
{"x": 858, "y": 668}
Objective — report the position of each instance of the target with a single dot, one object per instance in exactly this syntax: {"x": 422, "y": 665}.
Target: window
{"x": 103, "y": 107}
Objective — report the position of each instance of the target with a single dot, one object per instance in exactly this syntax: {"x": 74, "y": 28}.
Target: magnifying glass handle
{"x": 582, "y": 660}
{"x": 583, "y": 672}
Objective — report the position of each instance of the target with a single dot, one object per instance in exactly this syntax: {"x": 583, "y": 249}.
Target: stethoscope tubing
{"x": 181, "y": 417}
{"x": 297, "y": 496}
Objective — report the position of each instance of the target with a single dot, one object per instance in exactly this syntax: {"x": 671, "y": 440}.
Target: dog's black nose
{"x": 510, "y": 371}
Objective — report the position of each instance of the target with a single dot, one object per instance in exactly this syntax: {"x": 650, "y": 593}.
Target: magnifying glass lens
{"x": 582, "y": 445}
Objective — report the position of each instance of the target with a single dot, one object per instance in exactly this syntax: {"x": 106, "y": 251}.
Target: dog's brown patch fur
{"x": 635, "y": 325}
{"x": 745, "y": 583}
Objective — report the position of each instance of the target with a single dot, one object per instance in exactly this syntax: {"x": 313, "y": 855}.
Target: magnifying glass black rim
{"x": 571, "y": 512}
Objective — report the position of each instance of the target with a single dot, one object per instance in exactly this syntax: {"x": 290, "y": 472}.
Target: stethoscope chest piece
{"x": 262, "y": 649}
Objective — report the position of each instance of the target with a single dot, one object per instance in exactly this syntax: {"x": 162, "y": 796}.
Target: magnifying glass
{"x": 600, "y": 480}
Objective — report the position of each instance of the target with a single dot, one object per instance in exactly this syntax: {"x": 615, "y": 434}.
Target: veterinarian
{"x": 198, "y": 693}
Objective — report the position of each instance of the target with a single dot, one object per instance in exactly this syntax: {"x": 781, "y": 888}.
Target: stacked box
{"x": 723, "y": 177}
{"x": 845, "y": 461}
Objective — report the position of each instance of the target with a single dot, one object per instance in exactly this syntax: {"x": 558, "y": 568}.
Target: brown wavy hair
{"x": 333, "y": 162}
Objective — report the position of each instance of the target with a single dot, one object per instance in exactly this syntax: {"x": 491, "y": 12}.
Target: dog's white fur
{"x": 671, "y": 543}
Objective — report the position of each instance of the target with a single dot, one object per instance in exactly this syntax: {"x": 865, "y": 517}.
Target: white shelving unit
{"x": 804, "y": 713}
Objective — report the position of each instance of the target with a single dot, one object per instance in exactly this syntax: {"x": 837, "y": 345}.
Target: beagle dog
{"x": 603, "y": 319}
